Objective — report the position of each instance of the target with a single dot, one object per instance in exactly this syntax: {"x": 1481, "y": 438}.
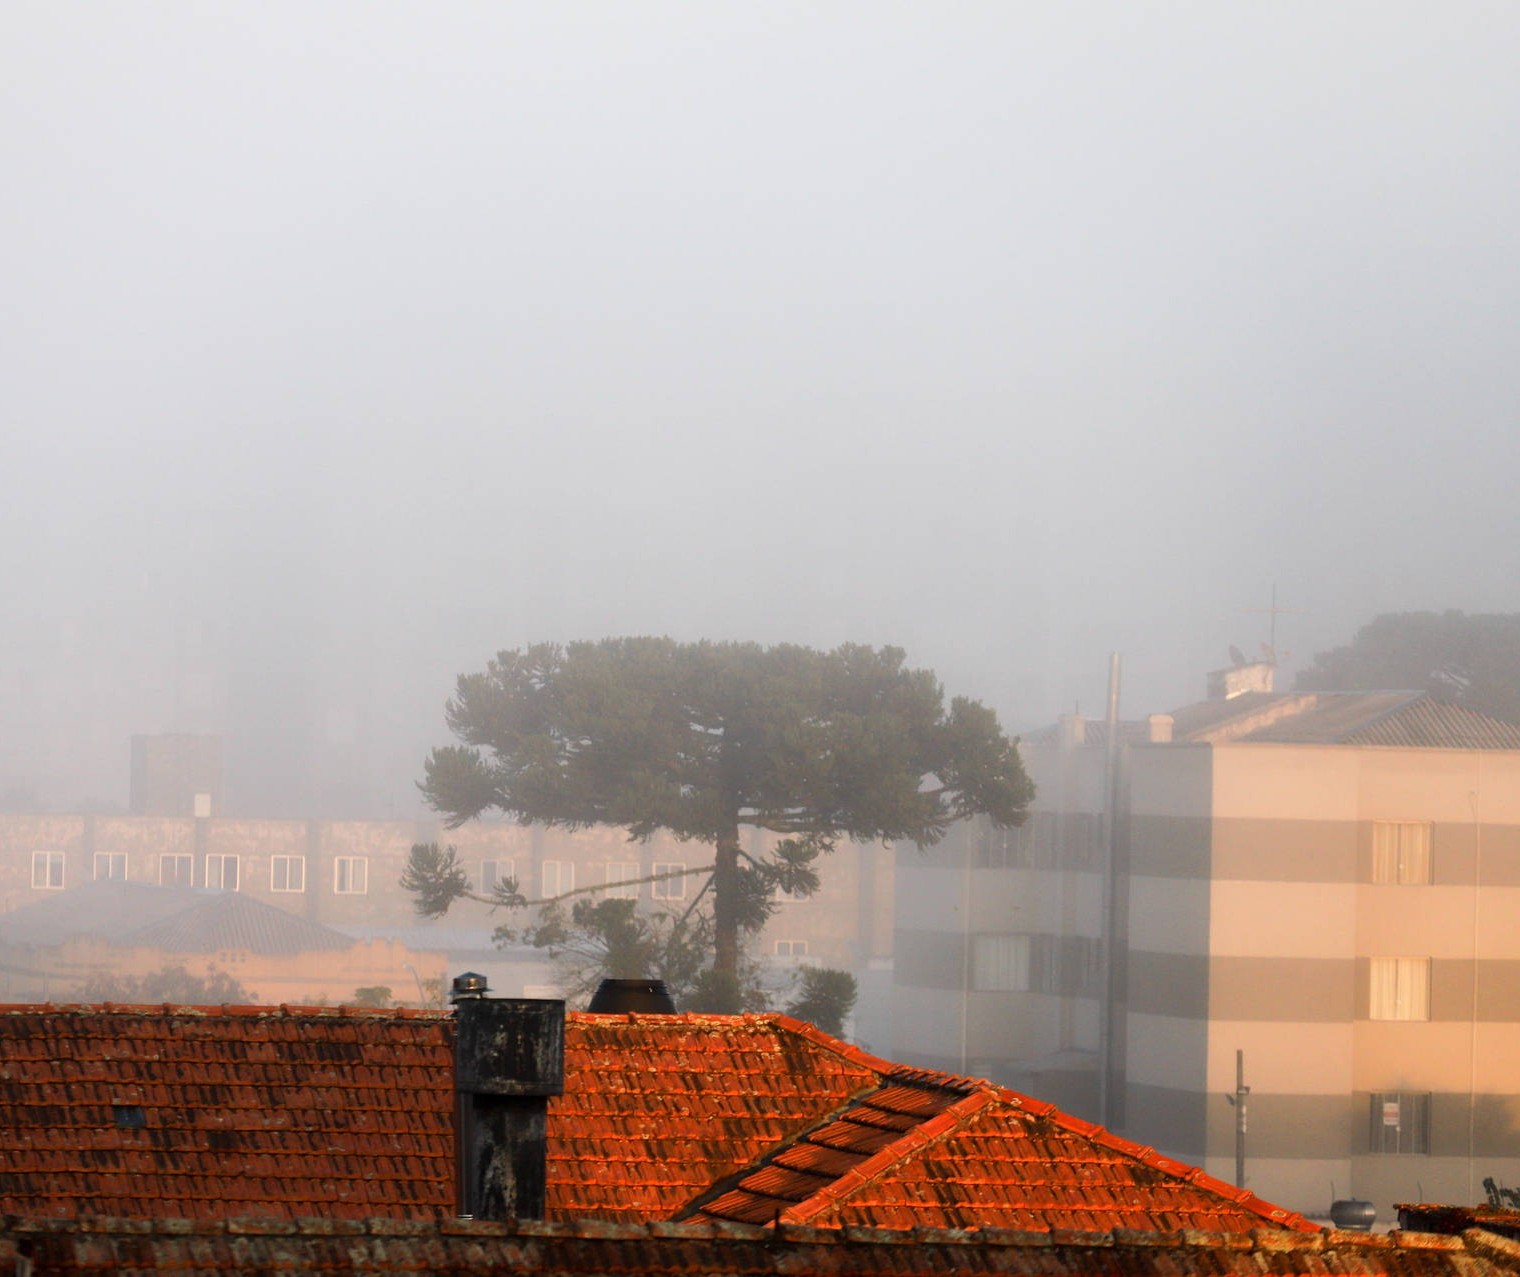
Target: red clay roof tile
{"x": 349, "y": 1114}
{"x": 584, "y": 1248}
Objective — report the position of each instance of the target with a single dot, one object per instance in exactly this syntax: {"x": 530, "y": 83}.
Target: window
{"x": 1082, "y": 840}
{"x": 351, "y": 875}
{"x": 47, "y": 870}
{"x": 1400, "y": 989}
{"x": 493, "y": 874}
{"x": 1399, "y": 1122}
{"x": 222, "y": 873}
{"x": 176, "y": 871}
{"x": 621, "y": 879}
{"x": 287, "y": 873}
{"x": 1004, "y": 848}
{"x": 1067, "y": 965}
{"x": 791, "y": 948}
{"x": 556, "y": 877}
{"x": 1401, "y": 852}
{"x": 111, "y": 864}
{"x": 1000, "y": 962}
{"x": 669, "y": 888}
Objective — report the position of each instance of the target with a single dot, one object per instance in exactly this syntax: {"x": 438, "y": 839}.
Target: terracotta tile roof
{"x": 1430, "y": 1218}
{"x": 200, "y": 1113}
{"x": 592, "y": 1249}
{"x": 657, "y": 1108}
{"x": 1013, "y": 1162}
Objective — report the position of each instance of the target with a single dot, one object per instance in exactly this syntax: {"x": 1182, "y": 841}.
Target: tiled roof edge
{"x": 1474, "y": 1240}
{"x": 845, "y": 1050}
{"x": 1194, "y": 1175}
{"x": 879, "y": 1163}
{"x": 230, "y": 1010}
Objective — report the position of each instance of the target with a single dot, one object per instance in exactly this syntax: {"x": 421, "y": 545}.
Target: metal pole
{"x": 1241, "y": 1092}
{"x": 1106, "y": 923}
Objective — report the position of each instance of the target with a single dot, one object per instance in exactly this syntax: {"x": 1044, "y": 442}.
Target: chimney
{"x": 1159, "y": 728}
{"x": 615, "y": 996}
{"x": 1073, "y": 730}
{"x": 509, "y": 1058}
{"x": 1226, "y": 685}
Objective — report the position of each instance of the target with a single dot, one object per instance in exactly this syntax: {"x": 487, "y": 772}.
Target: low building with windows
{"x": 1312, "y": 896}
{"x": 58, "y": 947}
{"x": 346, "y": 875}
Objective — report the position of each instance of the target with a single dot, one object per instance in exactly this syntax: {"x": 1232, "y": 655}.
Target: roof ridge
{"x": 838, "y": 1046}
{"x": 230, "y": 1009}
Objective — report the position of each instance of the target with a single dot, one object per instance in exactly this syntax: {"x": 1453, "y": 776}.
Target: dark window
{"x": 1399, "y": 1122}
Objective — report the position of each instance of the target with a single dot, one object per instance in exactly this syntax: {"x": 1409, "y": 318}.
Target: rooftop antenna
{"x": 1270, "y": 647}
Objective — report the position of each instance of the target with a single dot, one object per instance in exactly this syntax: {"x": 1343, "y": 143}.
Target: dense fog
{"x": 343, "y": 345}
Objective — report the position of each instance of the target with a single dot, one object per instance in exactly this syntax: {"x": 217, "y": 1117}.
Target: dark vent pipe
{"x": 650, "y": 997}
{"x": 509, "y": 1058}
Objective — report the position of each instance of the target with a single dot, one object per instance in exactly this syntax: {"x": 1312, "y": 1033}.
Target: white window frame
{"x": 1002, "y": 963}
{"x": 51, "y": 866}
{"x": 670, "y": 888}
{"x": 217, "y": 865}
{"x": 294, "y": 874}
{"x": 1398, "y": 989}
{"x": 493, "y": 873}
{"x": 180, "y": 859}
{"x": 351, "y": 875}
{"x": 622, "y": 879}
{"x": 113, "y": 860}
{"x": 555, "y": 878}
{"x": 1402, "y": 852}
{"x": 790, "y": 948}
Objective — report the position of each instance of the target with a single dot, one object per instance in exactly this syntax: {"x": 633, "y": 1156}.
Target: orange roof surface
{"x": 589, "y": 1248}
{"x": 205, "y": 1113}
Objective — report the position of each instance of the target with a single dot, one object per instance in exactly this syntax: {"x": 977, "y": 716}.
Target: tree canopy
{"x": 167, "y": 984}
{"x": 1472, "y": 661}
{"x": 704, "y": 739}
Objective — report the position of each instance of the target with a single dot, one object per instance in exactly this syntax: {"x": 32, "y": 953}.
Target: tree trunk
{"x": 725, "y": 915}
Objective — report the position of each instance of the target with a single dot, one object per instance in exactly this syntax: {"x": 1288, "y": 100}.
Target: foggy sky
{"x": 342, "y": 345}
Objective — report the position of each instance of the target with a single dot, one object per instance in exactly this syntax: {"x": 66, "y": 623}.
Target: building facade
{"x": 346, "y": 874}
{"x": 1314, "y": 895}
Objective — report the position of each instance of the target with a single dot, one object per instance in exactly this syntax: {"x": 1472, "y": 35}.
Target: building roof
{"x": 1411, "y": 720}
{"x": 1432, "y": 1218}
{"x": 174, "y": 919}
{"x": 205, "y": 1113}
{"x": 592, "y": 1249}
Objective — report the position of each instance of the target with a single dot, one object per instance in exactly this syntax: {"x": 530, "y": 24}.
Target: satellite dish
{"x": 1237, "y": 655}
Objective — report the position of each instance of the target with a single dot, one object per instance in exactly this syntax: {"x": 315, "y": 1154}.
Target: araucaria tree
{"x": 705, "y": 739}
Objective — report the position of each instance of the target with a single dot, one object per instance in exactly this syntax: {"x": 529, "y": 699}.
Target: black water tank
{"x": 650, "y": 997}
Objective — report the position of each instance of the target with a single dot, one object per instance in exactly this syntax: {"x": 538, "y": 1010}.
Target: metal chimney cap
{"x": 469, "y": 984}
{"x": 650, "y": 997}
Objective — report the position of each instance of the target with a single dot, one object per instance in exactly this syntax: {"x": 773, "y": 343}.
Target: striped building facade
{"x": 1327, "y": 885}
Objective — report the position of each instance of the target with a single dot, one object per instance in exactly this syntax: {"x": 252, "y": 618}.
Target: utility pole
{"x": 1108, "y": 1101}
{"x": 1242, "y": 1092}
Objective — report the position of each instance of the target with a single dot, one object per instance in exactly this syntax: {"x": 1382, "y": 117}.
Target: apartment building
{"x": 1315, "y": 895}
